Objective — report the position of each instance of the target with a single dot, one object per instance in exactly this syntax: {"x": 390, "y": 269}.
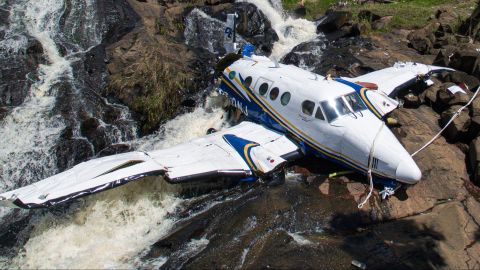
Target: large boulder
{"x": 422, "y": 40}
{"x": 459, "y": 127}
{"x": 368, "y": 16}
{"x": 333, "y": 21}
{"x": 208, "y": 23}
{"x": 463, "y": 57}
{"x": 460, "y": 77}
{"x": 471, "y": 26}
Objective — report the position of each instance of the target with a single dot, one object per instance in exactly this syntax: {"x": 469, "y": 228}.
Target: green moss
{"x": 313, "y": 7}
{"x": 407, "y": 14}
{"x": 160, "y": 86}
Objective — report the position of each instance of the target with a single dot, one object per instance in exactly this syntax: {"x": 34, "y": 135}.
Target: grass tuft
{"x": 160, "y": 95}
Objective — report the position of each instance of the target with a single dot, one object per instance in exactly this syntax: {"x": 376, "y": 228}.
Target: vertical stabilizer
{"x": 230, "y": 34}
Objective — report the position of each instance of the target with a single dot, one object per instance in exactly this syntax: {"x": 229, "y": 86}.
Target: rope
{"x": 369, "y": 172}
{"x": 454, "y": 116}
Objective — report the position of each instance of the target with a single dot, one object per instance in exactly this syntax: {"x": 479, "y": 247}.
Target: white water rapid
{"x": 29, "y": 132}
{"x": 290, "y": 31}
{"x": 114, "y": 228}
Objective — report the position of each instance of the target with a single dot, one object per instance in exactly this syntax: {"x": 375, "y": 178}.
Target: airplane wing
{"x": 244, "y": 151}
{"x": 392, "y": 79}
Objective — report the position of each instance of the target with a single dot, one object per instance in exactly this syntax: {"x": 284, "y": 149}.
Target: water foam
{"x": 290, "y": 31}
{"x": 115, "y": 226}
{"x": 29, "y": 132}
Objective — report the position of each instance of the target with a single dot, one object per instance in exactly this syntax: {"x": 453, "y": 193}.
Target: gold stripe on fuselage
{"x": 307, "y": 138}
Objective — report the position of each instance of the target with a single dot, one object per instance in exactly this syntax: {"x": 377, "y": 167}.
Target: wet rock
{"x": 333, "y": 21}
{"x": 114, "y": 149}
{"x": 251, "y": 25}
{"x": 307, "y": 55}
{"x": 320, "y": 56}
{"x": 459, "y": 127}
{"x": 254, "y": 26}
{"x": 96, "y": 132}
{"x": 72, "y": 152}
{"x": 19, "y": 70}
{"x": 3, "y": 112}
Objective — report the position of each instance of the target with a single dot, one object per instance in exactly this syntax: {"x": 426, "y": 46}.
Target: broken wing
{"x": 203, "y": 158}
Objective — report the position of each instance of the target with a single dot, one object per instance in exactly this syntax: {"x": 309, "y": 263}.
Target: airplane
{"x": 290, "y": 113}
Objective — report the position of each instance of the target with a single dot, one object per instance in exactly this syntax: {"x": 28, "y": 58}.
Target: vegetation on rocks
{"x": 406, "y": 14}
{"x": 157, "y": 85}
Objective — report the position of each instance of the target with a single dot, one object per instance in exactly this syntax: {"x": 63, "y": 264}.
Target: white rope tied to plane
{"x": 454, "y": 116}
{"x": 369, "y": 172}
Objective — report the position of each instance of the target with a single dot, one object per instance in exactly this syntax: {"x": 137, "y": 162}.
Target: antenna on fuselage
{"x": 275, "y": 62}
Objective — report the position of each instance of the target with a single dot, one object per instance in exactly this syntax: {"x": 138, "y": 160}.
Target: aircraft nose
{"x": 408, "y": 171}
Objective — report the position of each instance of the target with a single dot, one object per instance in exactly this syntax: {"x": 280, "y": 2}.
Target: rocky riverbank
{"x": 312, "y": 221}
{"x": 158, "y": 58}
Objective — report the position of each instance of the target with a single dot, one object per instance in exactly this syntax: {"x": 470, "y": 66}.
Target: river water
{"x": 114, "y": 228}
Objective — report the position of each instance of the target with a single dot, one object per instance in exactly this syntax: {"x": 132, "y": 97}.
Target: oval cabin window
{"x": 274, "y": 93}
{"x": 308, "y": 107}
{"x": 263, "y": 89}
{"x": 248, "y": 81}
{"x": 285, "y": 98}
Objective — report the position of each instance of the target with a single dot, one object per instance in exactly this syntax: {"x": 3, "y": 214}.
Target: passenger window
{"x": 285, "y": 98}
{"x": 263, "y": 89}
{"x": 319, "y": 114}
{"x": 274, "y": 93}
{"x": 308, "y": 107}
{"x": 248, "y": 81}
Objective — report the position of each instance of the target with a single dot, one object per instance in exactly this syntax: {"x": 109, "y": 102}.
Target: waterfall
{"x": 30, "y": 131}
{"x": 110, "y": 229}
{"x": 290, "y": 31}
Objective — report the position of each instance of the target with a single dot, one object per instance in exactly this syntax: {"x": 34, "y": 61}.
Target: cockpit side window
{"x": 308, "y": 107}
{"x": 334, "y": 108}
{"x": 319, "y": 114}
{"x": 355, "y": 102}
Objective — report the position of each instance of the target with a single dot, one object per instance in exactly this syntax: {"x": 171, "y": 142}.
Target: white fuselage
{"x": 326, "y": 117}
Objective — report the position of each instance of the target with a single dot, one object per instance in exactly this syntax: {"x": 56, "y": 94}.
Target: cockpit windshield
{"x": 338, "y": 107}
{"x": 334, "y": 108}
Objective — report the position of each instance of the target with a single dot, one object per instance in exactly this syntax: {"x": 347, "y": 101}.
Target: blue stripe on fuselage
{"x": 267, "y": 117}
